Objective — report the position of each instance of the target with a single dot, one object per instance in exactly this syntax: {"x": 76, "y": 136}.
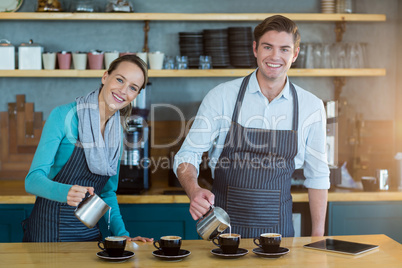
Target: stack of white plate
{"x": 328, "y": 6}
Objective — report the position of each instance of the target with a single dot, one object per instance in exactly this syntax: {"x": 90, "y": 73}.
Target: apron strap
{"x": 295, "y": 124}
{"x": 240, "y": 98}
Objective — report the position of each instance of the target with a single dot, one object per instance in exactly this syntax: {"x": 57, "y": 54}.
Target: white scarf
{"x": 102, "y": 154}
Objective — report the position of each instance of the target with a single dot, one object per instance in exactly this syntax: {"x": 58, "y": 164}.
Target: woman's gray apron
{"x": 52, "y": 221}
{"x": 253, "y": 175}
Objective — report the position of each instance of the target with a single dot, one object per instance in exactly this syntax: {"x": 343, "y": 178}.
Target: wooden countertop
{"x": 13, "y": 192}
{"x": 83, "y": 254}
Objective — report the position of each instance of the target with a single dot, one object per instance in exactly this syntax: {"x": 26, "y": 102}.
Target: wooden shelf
{"x": 196, "y": 73}
{"x": 187, "y": 16}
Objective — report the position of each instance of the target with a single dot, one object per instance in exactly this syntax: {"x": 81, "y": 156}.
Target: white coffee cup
{"x": 143, "y": 56}
{"x": 156, "y": 60}
{"x": 109, "y": 57}
{"x": 49, "y": 60}
{"x": 80, "y": 60}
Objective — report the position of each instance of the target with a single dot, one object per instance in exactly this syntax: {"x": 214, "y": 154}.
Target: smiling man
{"x": 258, "y": 130}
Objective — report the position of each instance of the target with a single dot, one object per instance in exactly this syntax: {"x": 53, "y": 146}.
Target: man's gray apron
{"x": 253, "y": 175}
{"x": 52, "y": 221}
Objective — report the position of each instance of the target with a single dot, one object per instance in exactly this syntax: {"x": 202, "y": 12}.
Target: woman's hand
{"x": 138, "y": 238}
{"x": 77, "y": 193}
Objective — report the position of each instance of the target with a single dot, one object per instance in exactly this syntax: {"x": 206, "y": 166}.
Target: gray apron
{"x": 253, "y": 175}
{"x": 52, "y": 221}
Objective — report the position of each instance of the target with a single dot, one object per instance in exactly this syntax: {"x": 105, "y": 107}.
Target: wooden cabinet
{"x": 148, "y": 220}
{"x": 359, "y": 218}
{"x": 156, "y": 220}
{"x": 11, "y": 221}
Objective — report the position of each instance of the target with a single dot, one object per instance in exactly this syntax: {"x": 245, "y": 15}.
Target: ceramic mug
{"x": 110, "y": 57}
{"x": 49, "y": 60}
{"x": 80, "y": 60}
{"x": 370, "y": 184}
{"x": 156, "y": 60}
{"x": 64, "y": 60}
{"x": 95, "y": 60}
{"x": 143, "y": 56}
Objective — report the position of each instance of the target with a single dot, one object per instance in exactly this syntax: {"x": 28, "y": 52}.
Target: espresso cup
{"x": 269, "y": 242}
{"x": 113, "y": 245}
{"x": 169, "y": 245}
{"x": 229, "y": 243}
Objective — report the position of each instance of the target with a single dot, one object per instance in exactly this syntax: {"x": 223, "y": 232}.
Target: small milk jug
{"x": 214, "y": 222}
{"x": 91, "y": 210}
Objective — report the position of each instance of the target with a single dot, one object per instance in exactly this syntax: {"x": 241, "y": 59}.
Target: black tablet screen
{"x": 341, "y": 246}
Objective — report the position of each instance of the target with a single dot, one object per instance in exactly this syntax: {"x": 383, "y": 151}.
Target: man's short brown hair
{"x": 277, "y": 23}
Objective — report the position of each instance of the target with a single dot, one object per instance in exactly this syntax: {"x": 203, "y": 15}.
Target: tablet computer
{"x": 341, "y": 246}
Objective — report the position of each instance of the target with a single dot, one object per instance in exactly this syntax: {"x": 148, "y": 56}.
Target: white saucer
{"x": 126, "y": 255}
{"x": 261, "y": 253}
{"x": 182, "y": 254}
{"x": 240, "y": 252}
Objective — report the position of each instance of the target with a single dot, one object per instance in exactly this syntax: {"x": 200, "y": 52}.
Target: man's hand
{"x": 77, "y": 193}
{"x": 200, "y": 199}
{"x": 200, "y": 202}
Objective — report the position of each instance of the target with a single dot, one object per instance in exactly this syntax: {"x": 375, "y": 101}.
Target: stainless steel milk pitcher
{"x": 91, "y": 210}
{"x": 214, "y": 222}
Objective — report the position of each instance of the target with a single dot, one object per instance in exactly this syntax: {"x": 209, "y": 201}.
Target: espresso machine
{"x": 134, "y": 165}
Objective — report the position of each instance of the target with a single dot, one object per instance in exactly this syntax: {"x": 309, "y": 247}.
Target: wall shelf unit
{"x": 340, "y": 21}
{"x": 196, "y": 73}
{"x": 313, "y": 17}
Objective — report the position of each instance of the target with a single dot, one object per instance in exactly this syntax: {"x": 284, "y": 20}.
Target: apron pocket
{"x": 254, "y": 208}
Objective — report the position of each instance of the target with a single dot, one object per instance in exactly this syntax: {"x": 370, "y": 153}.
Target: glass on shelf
{"x": 205, "y": 62}
{"x": 181, "y": 62}
{"x": 169, "y": 63}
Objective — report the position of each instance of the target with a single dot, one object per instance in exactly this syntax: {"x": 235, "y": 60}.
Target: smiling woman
{"x": 121, "y": 84}
{"x": 78, "y": 154}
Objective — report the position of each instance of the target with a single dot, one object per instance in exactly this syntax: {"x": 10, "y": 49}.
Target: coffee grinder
{"x": 134, "y": 165}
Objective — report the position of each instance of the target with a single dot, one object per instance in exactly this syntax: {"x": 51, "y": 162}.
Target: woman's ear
{"x": 104, "y": 77}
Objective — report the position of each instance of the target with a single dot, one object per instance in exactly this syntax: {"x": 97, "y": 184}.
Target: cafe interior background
{"x": 367, "y": 127}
